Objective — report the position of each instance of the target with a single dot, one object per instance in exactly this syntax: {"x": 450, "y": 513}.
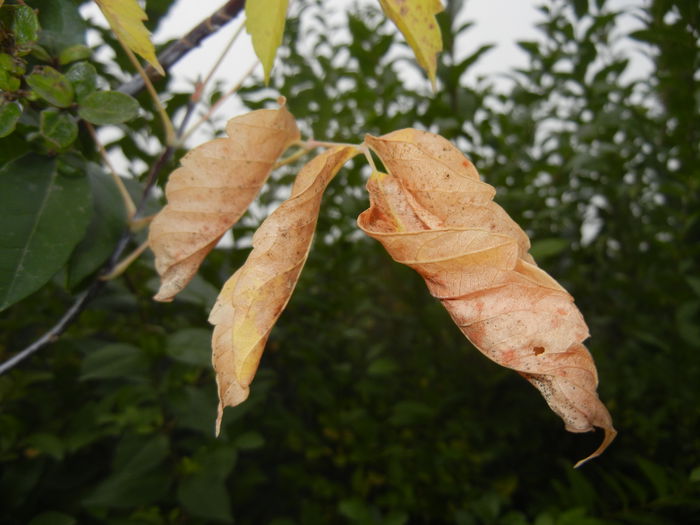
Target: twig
{"x": 173, "y": 53}
{"x": 128, "y": 201}
{"x": 56, "y": 330}
{"x": 218, "y": 103}
{"x": 223, "y": 54}
{"x": 122, "y": 265}
{"x": 167, "y": 123}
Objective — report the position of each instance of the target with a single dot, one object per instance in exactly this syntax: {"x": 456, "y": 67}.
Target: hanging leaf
{"x": 265, "y": 24}
{"x": 416, "y": 20}
{"x": 215, "y": 185}
{"x": 255, "y": 296}
{"x": 126, "y": 19}
{"x": 432, "y": 213}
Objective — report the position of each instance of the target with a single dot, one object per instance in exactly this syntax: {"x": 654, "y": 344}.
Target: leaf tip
{"x": 610, "y": 434}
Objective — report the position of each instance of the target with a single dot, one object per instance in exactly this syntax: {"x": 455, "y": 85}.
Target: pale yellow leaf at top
{"x": 126, "y": 18}
{"x": 265, "y": 24}
{"x": 416, "y": 20}
{"x": 255, "y": 296}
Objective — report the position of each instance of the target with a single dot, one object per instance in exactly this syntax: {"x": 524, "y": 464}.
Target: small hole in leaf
{"x": 538, "y": 350}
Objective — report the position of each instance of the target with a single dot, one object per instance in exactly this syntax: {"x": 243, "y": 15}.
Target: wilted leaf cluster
{"x": 387, "y": 418}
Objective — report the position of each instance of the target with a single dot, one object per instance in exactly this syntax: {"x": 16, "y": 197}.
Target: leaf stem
{"x": 122, "y": 265}
{"x": 223, "y": 54}
{"x": 368, "y": 155}
{"x": 123, "y": 192}
{"x": 167, "y": 123}
{"x": 291, "y": 158}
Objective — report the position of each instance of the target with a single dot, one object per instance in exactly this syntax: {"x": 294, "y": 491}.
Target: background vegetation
{"x": 370, "y": 407}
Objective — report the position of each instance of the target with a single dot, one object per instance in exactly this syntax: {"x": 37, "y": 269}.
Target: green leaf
{"x": 265, "y": 23}
{"x": 204, "y": 493}
{"x": 105, "y": 229}
{"x": 544, "y": 248}
{"x": 686, "y": 321}
{"x": 249, "y": 441}
{"x": 73, "y": 54}
{"x": 47, "y": 443}
{"x": 83, "y": 77}
{"x": 113, "y": 361}
{"x": 216, "y": 463}
{"x": 382, "y": 366}
{"x": 61, "y": 24}
{"x": 205, "y": 497}
{"x": 53, "y": 518}
{"x": 191, "y": 346}
{"x": 9, "y": 115}
{"x": 25, "y": 25}
{"x": 137, "y": 478}
{"x": 137, "y": 455}
{"x": 194, "y": 408}
{"x": 44, "y": 216}
{"x": 58, "y": 127}
{"x": 51, "y": 85}
{"x": 108, "y": 107}
{"x": 10, "y": 68}
{"x": 581, "y": 8}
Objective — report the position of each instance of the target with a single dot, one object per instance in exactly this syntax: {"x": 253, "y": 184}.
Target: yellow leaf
{"x": 214, "y": 186}
{"x": 255, "y": 296}
{"x": 416, "y": 20}
{"x": 433, "y": 213}
{"x": 126, "y": 18}
{"x": 265, "y": 24}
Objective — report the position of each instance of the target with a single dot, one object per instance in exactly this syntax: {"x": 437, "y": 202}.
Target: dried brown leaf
{"x": 433, "y": 213}
{"x": 255, "y": 296}
{"x": 214, "y": 186}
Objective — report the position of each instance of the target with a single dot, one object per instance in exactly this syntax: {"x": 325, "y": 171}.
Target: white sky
{"x": 502, "y": 22}
{"x": 490, "y": 26}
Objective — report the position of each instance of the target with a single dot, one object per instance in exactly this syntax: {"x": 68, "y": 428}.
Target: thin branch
{"x": 173, "y": 53}
{"x": 56, "y": 330}
{"x": 123, "y": 192}
{"x": 122, "y": 265}
{"x": 167, "y": 123}
{"x": 218, "y": 103}
{"x": 223, "y": 54}
{"x": 291, "y": 158}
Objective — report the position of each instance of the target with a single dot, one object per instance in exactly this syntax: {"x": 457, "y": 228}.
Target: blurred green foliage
{"x": 369, "y": 407}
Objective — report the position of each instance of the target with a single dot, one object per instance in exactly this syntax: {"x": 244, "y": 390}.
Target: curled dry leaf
{"x": 214, "y": 186}
{"x": 255, "y": 296}
{"x": 433, "y": 213}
